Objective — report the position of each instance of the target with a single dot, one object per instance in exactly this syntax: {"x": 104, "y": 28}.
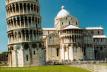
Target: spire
{"x": 62, "y": 7}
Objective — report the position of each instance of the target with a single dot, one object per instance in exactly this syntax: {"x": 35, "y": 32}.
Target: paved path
{"x": 92, "y": 67}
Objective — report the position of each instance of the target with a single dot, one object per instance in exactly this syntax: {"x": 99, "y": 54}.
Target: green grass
{"x": 44, "y": 69}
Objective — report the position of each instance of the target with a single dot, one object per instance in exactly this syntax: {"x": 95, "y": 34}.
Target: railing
{"x": 24, "y": 40}
{"x": 21, "y": 13}
{"x": 11, "y": 1}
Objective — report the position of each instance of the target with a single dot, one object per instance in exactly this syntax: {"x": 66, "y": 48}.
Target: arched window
{"x": 30, "y": 20}
{"x": 27, "y": 58}
{"x": 98, "y": 32}
{"x": 69, "y": 22}
{"x": 62, "y": 23}
{"x": 57, "y": 51}
{"x": 18, "y": 21}
{"x": 11, "y": 21}
{"x": 32, "y": 7}
{"x": 25, "y": 7}
{"x": 37, "y": 8}
{"x": 34, "y": 52}
{"x": 38, "y": 20}
{"x": 35, "y": 19}
{"x": 15, "y": 35}
{"x": 19, "y": 35}
{"x": 21, "y": 6}
{"x": 11, "y": 48}
{"x": 101, "y": 48}
{"x": 23, "y": 33}
{"x": 28, "y": 7}
{"x": 65, "y": 49}
{"x": 27, "y": 34}
{"x": 10, "y": 8}
{"x": 34, "y": 45}
{"x": 17, "y": 7}
{"x": 22, "y": 20}
{"x": 13, "y": 6}
{"x": 26, "y": 20}
{"x": 40, "y": 45}
{"x": 76, "y": 23}
{"x": 26, "y": 46}
{"x": 66, "y": 18}
{"x": 14, "y": 21}
{"x": 34, "y": 33}
{"x": 30, "y": 32}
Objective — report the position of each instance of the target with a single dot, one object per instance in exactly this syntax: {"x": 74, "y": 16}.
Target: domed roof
{"x": 62, "y": 13}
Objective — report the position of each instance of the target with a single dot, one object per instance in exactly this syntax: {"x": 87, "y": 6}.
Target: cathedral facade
{"x": 67, "y": 42}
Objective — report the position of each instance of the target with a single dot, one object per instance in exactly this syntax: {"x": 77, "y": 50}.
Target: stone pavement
{"x": 92, "y": 67}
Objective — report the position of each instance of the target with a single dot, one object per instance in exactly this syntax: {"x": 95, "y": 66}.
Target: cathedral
{"x": 67, "y": 42}
{"x": 31, "y": 45}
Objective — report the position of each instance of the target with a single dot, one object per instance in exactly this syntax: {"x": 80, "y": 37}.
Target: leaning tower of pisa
{"x": 25, "y": 44}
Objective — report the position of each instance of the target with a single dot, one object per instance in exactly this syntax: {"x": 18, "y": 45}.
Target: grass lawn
{"x": 58, "y": 68}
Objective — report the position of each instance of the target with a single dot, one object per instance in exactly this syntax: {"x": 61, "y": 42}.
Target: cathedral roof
{"x": 71, "y": 27}
{"x": 48, "y": 28}
{"x": 62, "y": 13}
{"x": 99, "y": 36}
{"x": 91, "y": 28}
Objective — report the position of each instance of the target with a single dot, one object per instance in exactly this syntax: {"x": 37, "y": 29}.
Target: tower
{"x": 25, "y": 44}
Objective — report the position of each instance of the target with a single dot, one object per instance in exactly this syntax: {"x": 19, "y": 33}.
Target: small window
{"x": 69, "y": 23}
{"x": 28, "y": 7}
{"x": 50, "y": 37}
{"x": 31, "y": 6}
{"x": 29, "y": 19}
{"x": 57, "y": 50}
{"x": 34, "y": 7}
{"x": 101, "y": 39}
{"x": 21, "y": 6}
{"x": 34, "y": 52}
{"x": 76, "y": 23}
{"x": 65, "y": 49}
{"x": 92, "y": 32}
{"x": 101, "y": 48}
{"x": 62, "y": 23}
{"x": 66, "y": 18}
{"x": 94, "y": 40}
{"x": 24, "y": 6}
{"x": 98, "y": 32}
{"x": 27, "y": 58}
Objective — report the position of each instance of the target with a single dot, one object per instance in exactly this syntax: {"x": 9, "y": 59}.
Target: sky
{"x": 88, "y": 12}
